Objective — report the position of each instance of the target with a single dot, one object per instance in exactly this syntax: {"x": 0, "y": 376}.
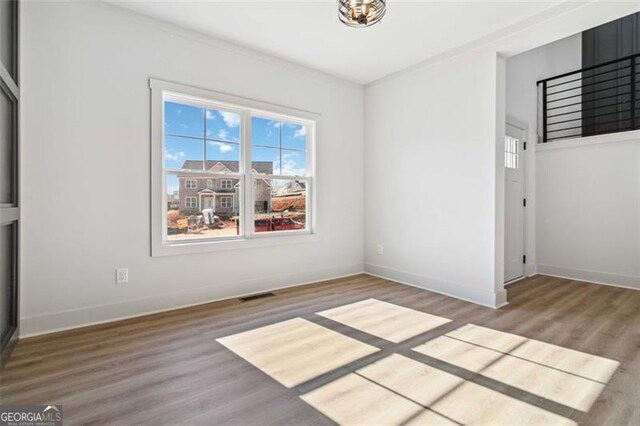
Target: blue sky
{"x": 284, "y": 144}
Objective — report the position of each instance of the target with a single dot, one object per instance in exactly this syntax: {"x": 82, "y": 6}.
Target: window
{"x": 231, "y": 144}
{"x": 191, "y": 202}
{"x": 261, "y": 206}
{"x": 226, "y": 202}
{"x": 511, "y": 152}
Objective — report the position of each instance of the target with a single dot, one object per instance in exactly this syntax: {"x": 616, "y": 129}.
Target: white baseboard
{"x": 489, "y": 299}
{"x": 85, "y": 316}
{"x": 596, "y": 277}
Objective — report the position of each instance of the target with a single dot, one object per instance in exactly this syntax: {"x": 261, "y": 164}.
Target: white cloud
{"x": 301, "y": 132}
{"x": 223, "y": 134}
{"x": 230, "y": 118}
{"x": 289, "y": 164}
{"x": 210, "y": 115}
{"x": 223, "y": 147}
{"x": 174, "y": 156}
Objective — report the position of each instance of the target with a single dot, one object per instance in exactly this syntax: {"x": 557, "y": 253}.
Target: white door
{"x": 207, "y": 202}
{"x": 514, "y": 204}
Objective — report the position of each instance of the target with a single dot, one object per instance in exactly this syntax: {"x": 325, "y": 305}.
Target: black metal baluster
{"x": 633, "y": 93}
{"x": 544, "y": 112}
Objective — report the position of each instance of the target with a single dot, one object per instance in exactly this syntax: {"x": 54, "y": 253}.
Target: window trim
{"x": 160, "y": 246}
{"x": 223, "y": 199}
{"x": 223, "y": 181}
{"x": 190, "y": 197}
{"x": 190, "y": 183}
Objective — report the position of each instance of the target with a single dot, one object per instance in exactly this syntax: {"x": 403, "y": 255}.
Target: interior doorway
{"x": 515, "y": 202}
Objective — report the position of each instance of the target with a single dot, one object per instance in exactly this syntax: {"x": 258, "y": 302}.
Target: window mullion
{"x": 248, "y": 210}
{"x": 204, "y": 139}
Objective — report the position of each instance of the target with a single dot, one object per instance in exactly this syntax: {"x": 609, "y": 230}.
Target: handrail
{"x": 603, "y": 64}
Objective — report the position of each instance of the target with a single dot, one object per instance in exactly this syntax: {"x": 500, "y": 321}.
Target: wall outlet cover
{"x": 122, "y": 275}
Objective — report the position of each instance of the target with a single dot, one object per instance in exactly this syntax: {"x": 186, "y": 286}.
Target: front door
{"x": 514, "y": 204}
{"x": 207, "y": 202}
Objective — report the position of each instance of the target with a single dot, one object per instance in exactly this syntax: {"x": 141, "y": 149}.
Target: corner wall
{"x": 523, "y": 71}
{"x": 430, "y": 177}
{"x": 583, "y": 195}
{"x": 433, "y": 196}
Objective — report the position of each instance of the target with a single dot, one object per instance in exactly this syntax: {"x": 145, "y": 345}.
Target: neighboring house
{"x": 197, "y": 193}
{"x": 173, "y": 200}
{"x": 293, "y": 188}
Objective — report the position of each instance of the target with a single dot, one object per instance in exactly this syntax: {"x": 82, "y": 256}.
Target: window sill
{"x": 206, "y": 246}
{"x": 630, "y": 136}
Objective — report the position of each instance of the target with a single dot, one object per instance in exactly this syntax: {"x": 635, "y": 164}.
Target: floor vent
{"x": 256, "y": 296}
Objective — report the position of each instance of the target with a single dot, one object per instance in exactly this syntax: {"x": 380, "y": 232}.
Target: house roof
{"x": 292, "y": 184}
{"x": 265, "y": 167}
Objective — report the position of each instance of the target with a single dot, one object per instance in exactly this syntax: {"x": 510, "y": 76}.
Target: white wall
{"x": 588, "y": 212}
{"x": 86, "y": 166}
{"x": 434, "y": 182}
{"x": 430, "y": 176}
{"x": 523, "y": 71}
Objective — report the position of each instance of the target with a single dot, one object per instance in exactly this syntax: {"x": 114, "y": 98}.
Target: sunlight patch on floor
{"x": 547, "y": 379}
{"x": 448, "y": 395}
{"x": 571, "y": 361}
{"x": 295, "y": 351}
{"x": 385, "y": 320}
{"x": 354, "y": 400}
{"x": 401, "y": 390}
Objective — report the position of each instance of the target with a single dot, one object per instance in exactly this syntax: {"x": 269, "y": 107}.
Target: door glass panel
{"x": 6, "y": 150}
{"x": 7, "y": 281}
{"x": 8, "y": 35}
{"x": 511, "y": 152}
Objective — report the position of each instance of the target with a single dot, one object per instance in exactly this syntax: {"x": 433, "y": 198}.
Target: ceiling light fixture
{"x": 361, "y": 13}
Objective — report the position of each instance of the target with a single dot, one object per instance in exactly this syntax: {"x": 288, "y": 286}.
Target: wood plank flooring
{"x": 169, "y": 368}
{"x": 297, "y": 350}
{"x": 386, "y": 320}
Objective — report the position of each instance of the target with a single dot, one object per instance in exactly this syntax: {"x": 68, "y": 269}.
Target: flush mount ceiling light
{"x": 361, "y": 13}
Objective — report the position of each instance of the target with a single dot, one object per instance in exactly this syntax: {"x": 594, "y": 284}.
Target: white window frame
{"x": 210, "y": 184}
{"x": 223, "y": 201}
{"x": 191, "y": 183}
{"x": 226, "y": 184}
{"x": 160, "y": 245}
{"x": 193, "y": 205}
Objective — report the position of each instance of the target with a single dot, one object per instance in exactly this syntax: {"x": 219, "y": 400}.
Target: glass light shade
{"x": 361, "y": 13}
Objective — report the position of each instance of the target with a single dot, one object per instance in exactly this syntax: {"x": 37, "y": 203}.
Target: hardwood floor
{"x": 169, "y": 367}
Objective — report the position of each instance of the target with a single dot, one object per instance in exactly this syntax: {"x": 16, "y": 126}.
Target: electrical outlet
{"x": 122, "y": 275}
{"x": 380, "y": 249}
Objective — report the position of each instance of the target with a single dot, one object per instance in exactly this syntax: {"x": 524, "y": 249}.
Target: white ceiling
{"x": 310, "y": 34}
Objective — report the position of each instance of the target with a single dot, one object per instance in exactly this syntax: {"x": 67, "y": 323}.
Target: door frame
{"x": 524, "y": 163}
{"x": 10, "y": 213}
